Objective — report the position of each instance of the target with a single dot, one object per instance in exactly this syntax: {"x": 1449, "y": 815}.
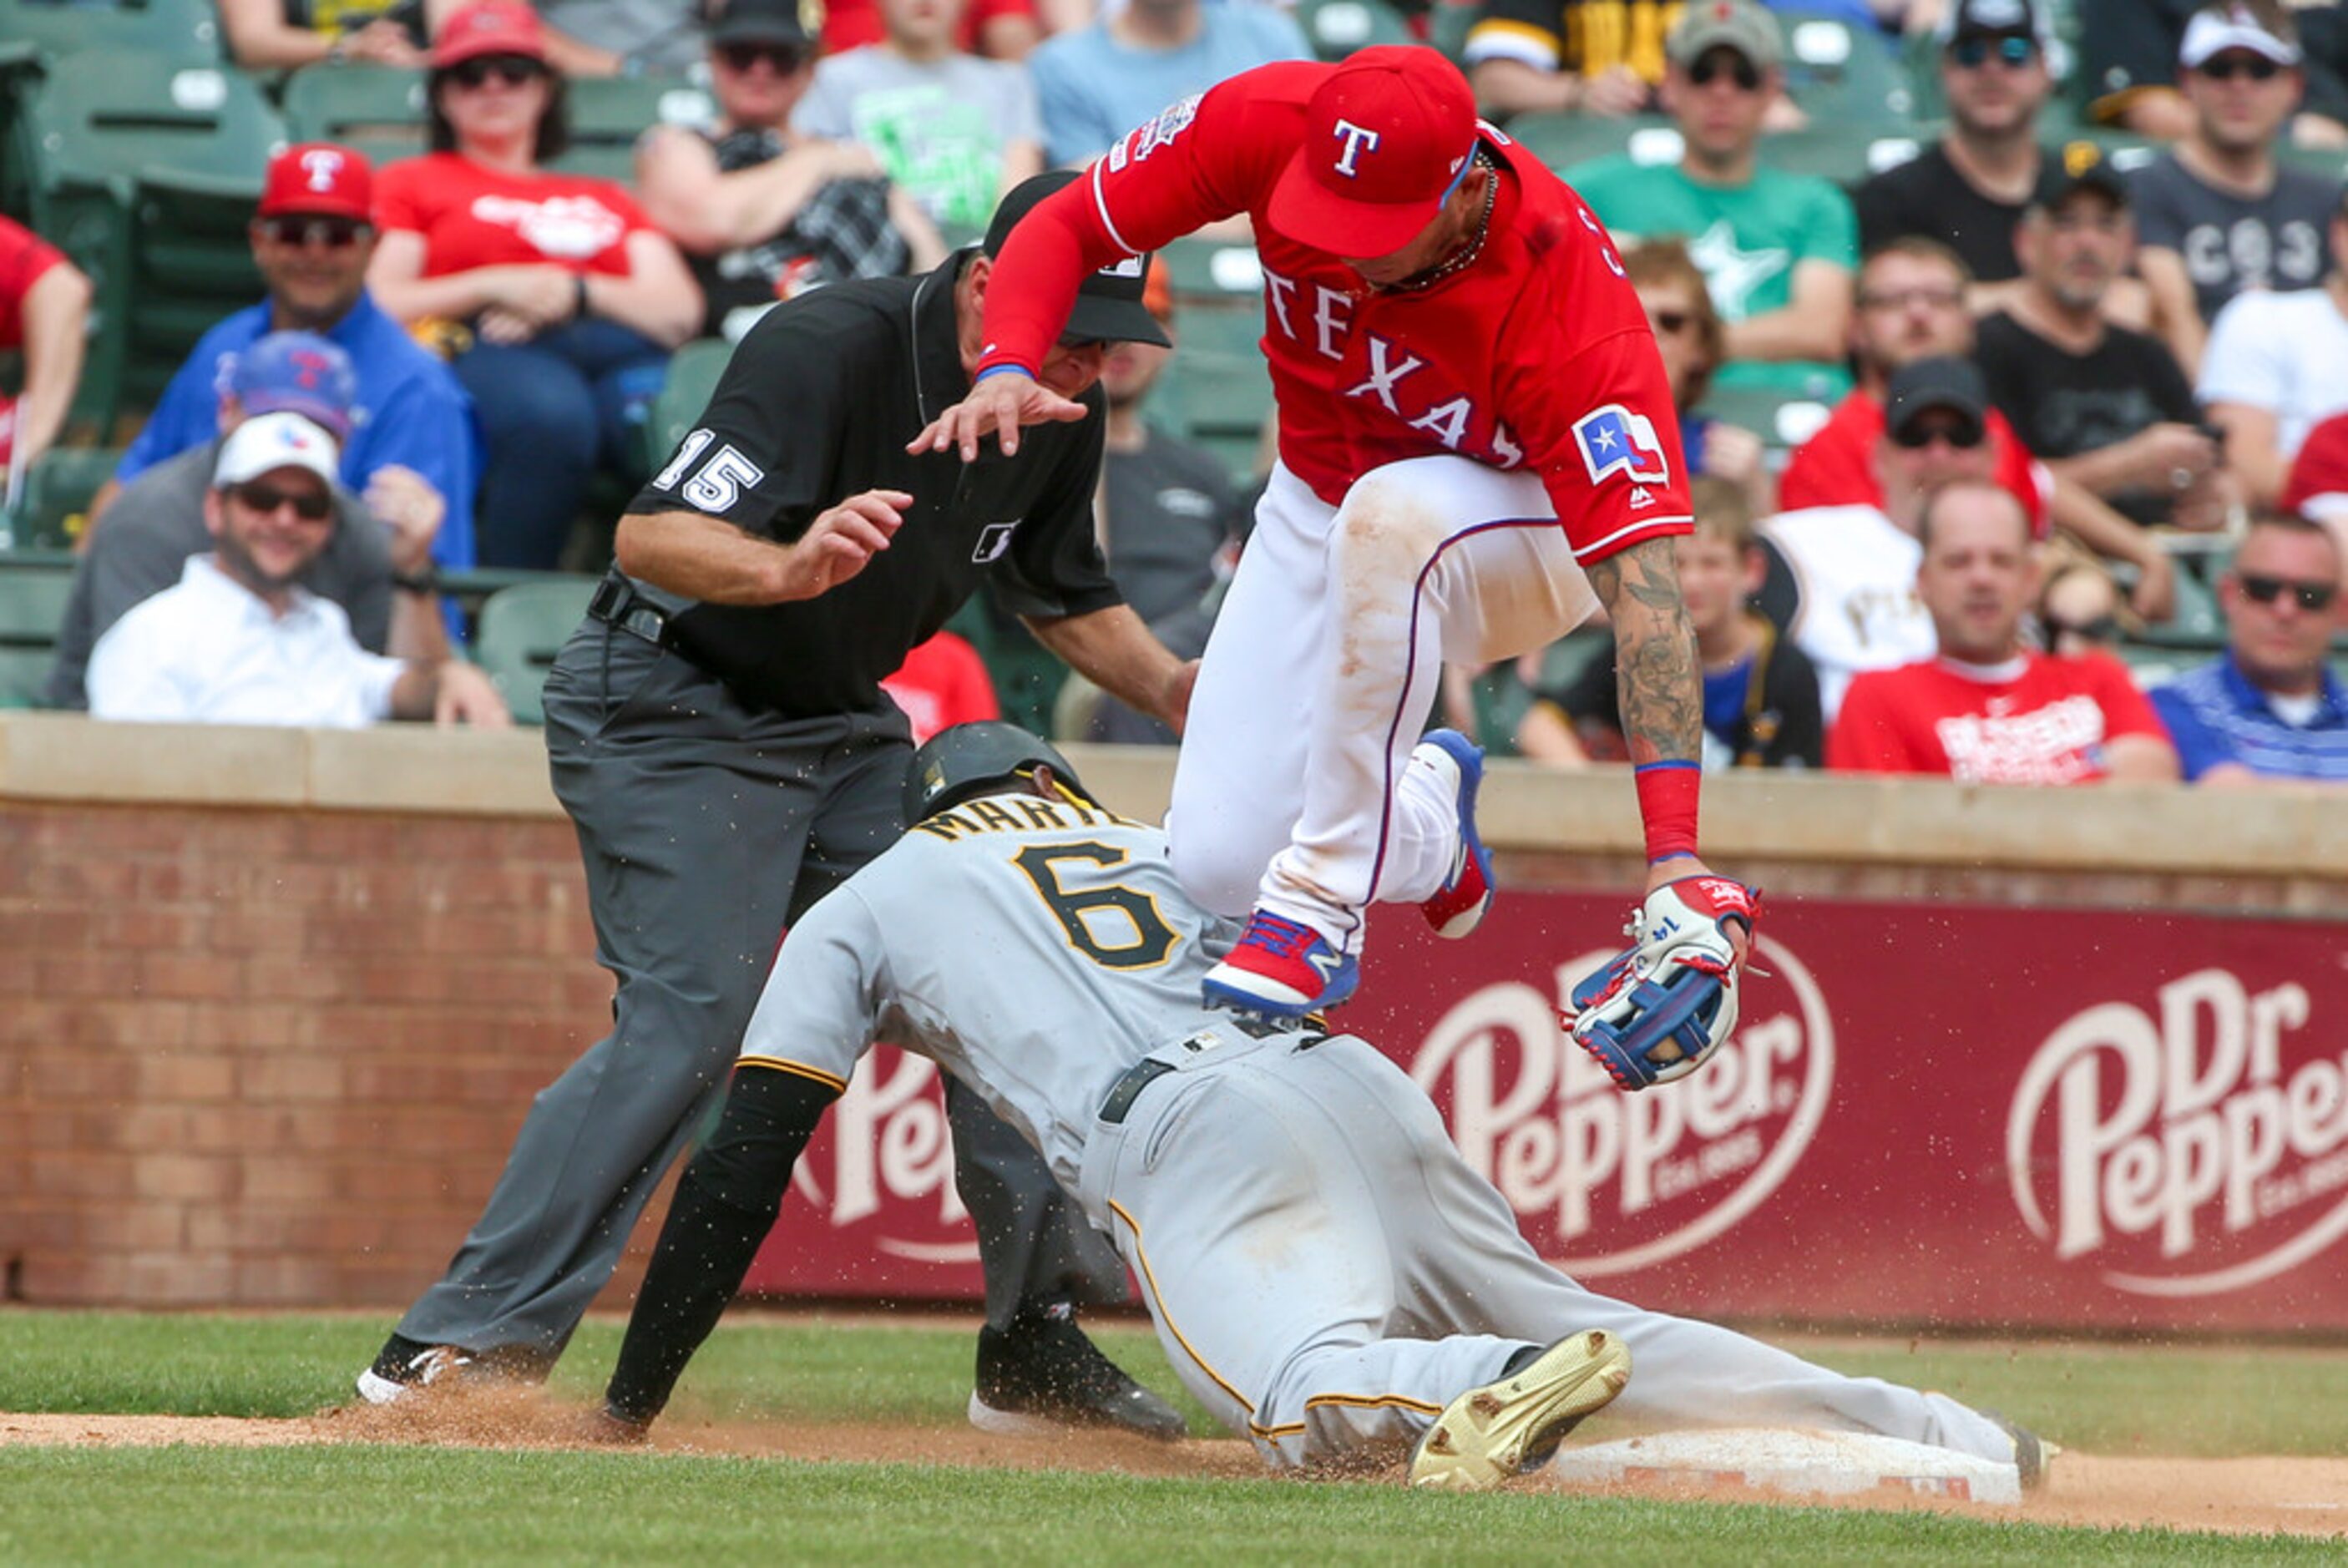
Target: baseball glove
{"x": 1656, "y": 1012}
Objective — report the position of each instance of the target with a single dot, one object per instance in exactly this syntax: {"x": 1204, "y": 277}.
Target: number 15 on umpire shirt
{"x": 816, "y": 405}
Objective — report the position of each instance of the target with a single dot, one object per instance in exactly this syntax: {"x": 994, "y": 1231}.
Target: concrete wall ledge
{"x": 2302, "y": 834}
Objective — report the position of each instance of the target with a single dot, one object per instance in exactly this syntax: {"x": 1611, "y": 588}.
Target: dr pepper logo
{"x": 1605, "y": 1183}
{"x": 891, "y": 1162}
{"x": 2189, "y": 1142}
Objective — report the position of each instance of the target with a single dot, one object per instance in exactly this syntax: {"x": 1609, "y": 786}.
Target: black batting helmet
{"x": 971, "y": 759}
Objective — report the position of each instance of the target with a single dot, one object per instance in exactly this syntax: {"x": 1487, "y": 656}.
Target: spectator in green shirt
{"x": 1776, "y": 250}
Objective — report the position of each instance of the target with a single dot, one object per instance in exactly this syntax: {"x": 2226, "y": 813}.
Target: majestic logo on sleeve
{"x": 1358, "y": 140}
{"x": 993, "y": 540}
{"x": 1614, "y": 440}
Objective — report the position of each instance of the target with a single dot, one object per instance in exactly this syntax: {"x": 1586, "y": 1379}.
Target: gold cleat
{"x": 1515, "y": 1425}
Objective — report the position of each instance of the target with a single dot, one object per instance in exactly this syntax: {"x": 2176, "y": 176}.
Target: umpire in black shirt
{"x": 719, "y": 736}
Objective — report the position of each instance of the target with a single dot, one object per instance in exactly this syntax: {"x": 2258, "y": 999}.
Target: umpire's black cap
{"x": 1109, "y": 308}
{"x": 971, "y": 760}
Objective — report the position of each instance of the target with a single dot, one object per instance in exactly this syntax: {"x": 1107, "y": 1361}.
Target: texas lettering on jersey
{"x": 1508, "y": 361}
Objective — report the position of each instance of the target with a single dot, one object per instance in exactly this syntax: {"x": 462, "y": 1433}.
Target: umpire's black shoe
{"x": 1042, "y": 1376}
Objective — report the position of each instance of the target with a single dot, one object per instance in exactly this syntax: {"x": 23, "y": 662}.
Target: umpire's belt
{"x": 617, "y": 604}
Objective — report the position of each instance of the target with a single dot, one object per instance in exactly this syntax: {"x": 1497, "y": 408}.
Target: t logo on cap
{"x": 320, "y": 166}
{"x": 1356, "y": 140}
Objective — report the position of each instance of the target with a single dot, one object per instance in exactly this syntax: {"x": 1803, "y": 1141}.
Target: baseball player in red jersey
{"x": 1477, "y": 445}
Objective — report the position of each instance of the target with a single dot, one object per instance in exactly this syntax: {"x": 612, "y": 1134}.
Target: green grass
{"x": 2189, "y": 1401}
{"x": 386, "y": 1507}
{"x": 383, "y": 1506}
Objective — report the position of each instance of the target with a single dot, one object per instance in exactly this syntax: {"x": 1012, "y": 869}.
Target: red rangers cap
{"x": 1387, "y": 139}
{"x": 318, "y": 178}
{"x": 489, "y": 28}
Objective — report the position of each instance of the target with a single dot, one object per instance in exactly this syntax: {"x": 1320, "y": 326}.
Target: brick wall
{"x": 271, "y": 1056}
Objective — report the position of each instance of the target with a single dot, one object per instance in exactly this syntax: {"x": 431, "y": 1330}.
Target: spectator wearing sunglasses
{"x": 313, "y": 237}
{"x": 569, "y": 298}
{"x": 761, "y": 214}
{"x": 2219, "y": 215}
{"x": 1842, "y": 579}
{"x": 1688, "y": 334}
{"x": 1985, "y": 708}
{"x": 2079, "y": 611}
{"x": 1968, "y": 189}
{"x": 240, "y": 641}
{"x": 2268, "y": 707}
{"x": 2276, "y": 368}
{"x": 2129, "y": 54}
{"x": 1776, "y": 249}
{"x": 381, "y": 545}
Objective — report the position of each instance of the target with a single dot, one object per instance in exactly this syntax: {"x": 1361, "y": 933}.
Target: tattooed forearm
{"x": 1654, "y": 654}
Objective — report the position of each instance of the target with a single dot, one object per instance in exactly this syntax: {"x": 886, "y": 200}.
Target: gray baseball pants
{"x": 1326, "y": 1272}
{"x": 706, "y": 828}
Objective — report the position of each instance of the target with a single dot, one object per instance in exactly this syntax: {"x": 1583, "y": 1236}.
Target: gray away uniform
{"x": 1325, "y": 1271}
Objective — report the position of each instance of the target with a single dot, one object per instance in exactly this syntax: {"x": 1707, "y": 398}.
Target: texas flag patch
{"x": 1614, "y": 440}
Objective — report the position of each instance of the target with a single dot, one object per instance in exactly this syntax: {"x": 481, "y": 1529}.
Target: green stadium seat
{"x": 1335, "y": 28}
{"x": 1211, "y": 272}
{"x": 1219, "y": 329}
{"x": 32, "y": 608}
{"x": 373, "y": 109}
{"x": 521, "y": 630}
{"x": 199, "y": 137}
{"x": 1782, "y": 421}
{"x": 190, "y": 266}
{"x": 1841, "y": 75}
{"x": 183, "y": 29}
{"x": 1218, "y": 401}
{"x": 693, "y": 373}
{"x": 608, "y": 113}
{"x": 1563, "y": 140}
{"x": 1448, "y": 22}
{"x": 56, "y": 502}
{"x": 1844, "y": 154}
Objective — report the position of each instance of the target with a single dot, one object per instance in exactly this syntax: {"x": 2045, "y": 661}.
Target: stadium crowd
{"x": 2009, "y": 340}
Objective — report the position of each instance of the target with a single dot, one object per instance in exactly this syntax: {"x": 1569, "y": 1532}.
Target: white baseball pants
{"x": 1293, "y": 791}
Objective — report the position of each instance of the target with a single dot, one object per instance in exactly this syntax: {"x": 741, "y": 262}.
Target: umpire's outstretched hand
{"x": 997, "y": 405}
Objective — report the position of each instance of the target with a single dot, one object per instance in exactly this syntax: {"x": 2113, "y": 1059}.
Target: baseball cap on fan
{"x": 317, "y": 179}
{"x": 1993, "y": 19}
{"x": 271, "y": 442}
{"x": 1109, "y": 308}
{"x": 2214, "y": 30}
{"x": 299, "y": 373}
{"x": 783, "y": 22}
{"x": 1739, "y": 25}
{"x": 490, "y": 28}
{"x": 1944, "y": 382}
{"x": 1388, "y": 138}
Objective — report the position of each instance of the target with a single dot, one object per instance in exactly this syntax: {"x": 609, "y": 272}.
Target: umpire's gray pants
{"x": 706, "y": 828}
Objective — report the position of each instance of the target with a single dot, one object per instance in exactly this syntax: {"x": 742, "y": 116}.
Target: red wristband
{"x": 1668, "y": 793}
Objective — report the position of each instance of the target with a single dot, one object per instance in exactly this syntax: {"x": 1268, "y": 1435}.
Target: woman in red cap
{"x": 573, "y": 298}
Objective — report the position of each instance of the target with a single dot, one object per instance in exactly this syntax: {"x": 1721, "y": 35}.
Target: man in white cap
{"x": 2219, "y": 215}
{"x": 240, "y": 641}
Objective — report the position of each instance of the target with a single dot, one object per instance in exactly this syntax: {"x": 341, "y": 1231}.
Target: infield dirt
{"x": 2296, "y": 1496}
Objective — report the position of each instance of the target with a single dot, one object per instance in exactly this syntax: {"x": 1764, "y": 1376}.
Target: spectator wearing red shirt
{"x": 574, "y": 299}
{"x": 1912, "y": 307}
{"x": 1989, "y": 710}
{"x": 942, "y": 682}
{"x": 44, "y": 314}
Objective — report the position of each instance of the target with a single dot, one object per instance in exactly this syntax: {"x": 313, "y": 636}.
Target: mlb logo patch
{"x": 992, "y": 540}
{"x": 1614, "y": 440}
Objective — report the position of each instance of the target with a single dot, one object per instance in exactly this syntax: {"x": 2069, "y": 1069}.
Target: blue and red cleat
{"x": 1281, "y": 968}
{"x": 1458, "y": 907}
